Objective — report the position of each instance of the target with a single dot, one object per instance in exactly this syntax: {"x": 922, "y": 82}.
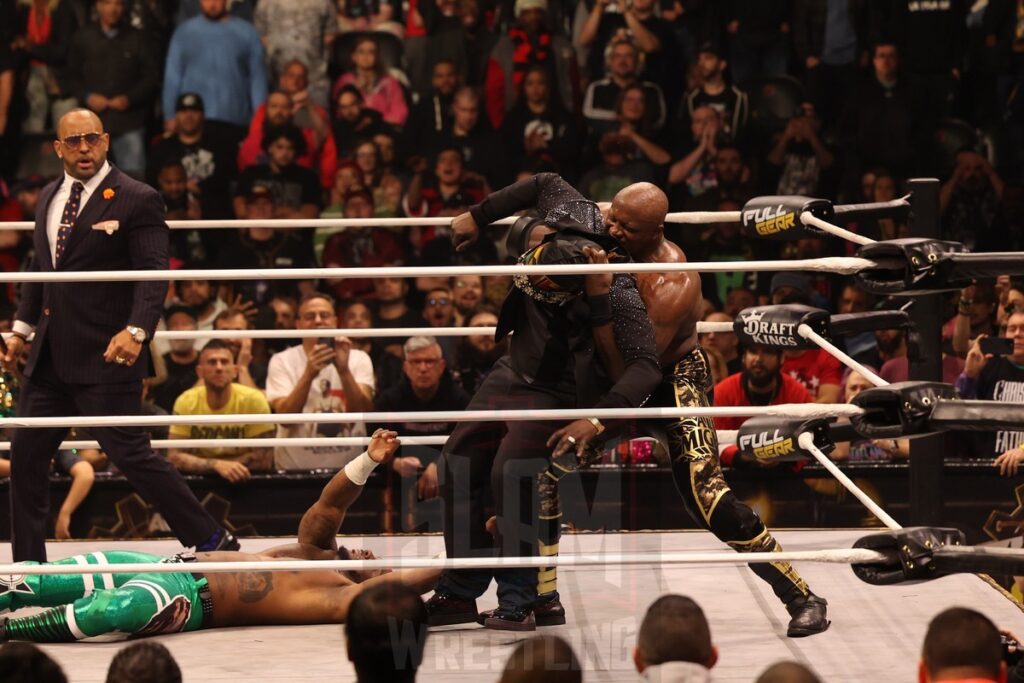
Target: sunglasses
{"x": 74, "y": 141}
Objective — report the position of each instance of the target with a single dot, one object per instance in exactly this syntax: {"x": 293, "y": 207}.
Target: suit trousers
{"x": 507, "y": 457}
{"x": 45, "y": 395}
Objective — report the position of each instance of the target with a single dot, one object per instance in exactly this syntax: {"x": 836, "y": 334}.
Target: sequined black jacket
{"x": 554, "y": 345}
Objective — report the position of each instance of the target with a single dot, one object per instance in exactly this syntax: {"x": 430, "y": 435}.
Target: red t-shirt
{"x": 812, "y": 369}
{"x": 729, "y": 392}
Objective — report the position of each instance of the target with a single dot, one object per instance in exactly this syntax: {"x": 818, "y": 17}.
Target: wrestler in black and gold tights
{"x": 693, "y": 446}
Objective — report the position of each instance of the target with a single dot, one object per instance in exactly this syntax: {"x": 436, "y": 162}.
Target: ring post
{"x": 926, "y": 461}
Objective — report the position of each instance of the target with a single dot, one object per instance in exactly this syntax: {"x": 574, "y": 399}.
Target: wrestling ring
{"x": 608, "y": 579}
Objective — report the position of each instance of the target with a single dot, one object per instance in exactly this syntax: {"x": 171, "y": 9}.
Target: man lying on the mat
{"x": 103, "y": 603}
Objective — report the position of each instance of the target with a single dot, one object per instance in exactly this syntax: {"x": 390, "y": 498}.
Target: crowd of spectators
{"x": 278, "y": 109}
{"x": 386, "y": 639}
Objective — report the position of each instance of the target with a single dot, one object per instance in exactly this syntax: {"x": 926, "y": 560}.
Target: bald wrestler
{"x": 636, "y": 219}
{"x": 103, "y": 603}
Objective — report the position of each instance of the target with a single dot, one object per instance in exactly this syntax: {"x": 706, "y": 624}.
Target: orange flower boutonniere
{"x": 108, "y": 193}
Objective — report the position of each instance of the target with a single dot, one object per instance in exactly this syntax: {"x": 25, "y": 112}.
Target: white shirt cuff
{"x": 22, "y": 328}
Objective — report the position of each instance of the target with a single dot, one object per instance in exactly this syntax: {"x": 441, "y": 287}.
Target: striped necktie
{"x": 67, "y": 219}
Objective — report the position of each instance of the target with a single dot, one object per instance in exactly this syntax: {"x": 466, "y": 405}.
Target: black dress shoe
{"x": 223, "y": 540}
{"x": 548, "y": 611}
{"x": 808, "y": 616}
{"x": 444, "y": 609}
{"x": 507, "y": 618}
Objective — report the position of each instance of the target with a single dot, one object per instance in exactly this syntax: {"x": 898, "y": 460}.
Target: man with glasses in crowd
{"x": 91, "y": 351}
{"x": 426, "y": 385}
{"x": 439, "y": 311}
{"x": 321, "y": 375}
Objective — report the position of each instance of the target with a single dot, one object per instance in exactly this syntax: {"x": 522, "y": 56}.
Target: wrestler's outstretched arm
{"x": 320, "y": 524}
{"x": 537, "y": 192}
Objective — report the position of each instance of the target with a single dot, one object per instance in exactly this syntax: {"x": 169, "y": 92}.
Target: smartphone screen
{"x": 996, "y": 346}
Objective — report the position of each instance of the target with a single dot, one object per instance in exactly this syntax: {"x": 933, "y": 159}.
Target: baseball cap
{"x": 711, "y": 47}
{"x": 189, "y": 100}
{"x": 794, "y": 280}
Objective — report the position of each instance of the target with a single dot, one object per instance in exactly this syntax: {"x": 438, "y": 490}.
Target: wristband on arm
{"x": 360, "y": 469}
{"x": 600, "y": 309}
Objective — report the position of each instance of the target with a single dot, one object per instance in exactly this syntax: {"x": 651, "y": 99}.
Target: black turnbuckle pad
{"x": 911, "y": 266}
{"x": 899, "y": 410}
{"x": 909, "y": 554}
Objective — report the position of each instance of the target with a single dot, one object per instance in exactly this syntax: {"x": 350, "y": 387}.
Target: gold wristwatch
{"x": 597, "y": 424}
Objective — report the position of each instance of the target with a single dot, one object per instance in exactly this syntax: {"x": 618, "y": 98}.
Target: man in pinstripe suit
{"x": 90, "y": 353}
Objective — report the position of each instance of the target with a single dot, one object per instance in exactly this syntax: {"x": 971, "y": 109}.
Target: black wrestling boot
{"x": 808, "y": 616}
{"x": 444, "y": 609}
{"x": 509, "y": 618}
{"x": 548, "y": 611}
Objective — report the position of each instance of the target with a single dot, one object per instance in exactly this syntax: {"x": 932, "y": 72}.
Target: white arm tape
{"x": 359, "y": 469}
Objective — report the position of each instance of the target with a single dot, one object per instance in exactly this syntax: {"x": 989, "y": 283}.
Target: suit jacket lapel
{"x": 94, "y": 210}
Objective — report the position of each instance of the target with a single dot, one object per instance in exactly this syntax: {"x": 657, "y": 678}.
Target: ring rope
{"x": 806, "y": 441}
{"x": 688, "y": 217}
{"x": 787, "y": 410}
{"x": 725, "y": 436}
{"x": 804, "y": 330}
{"x": 160, "y": 444}
{"x": 691, "y": 217}
{"x": 841, "y": 265}
{"x": 359, "y": 333}
{"x": 828, "y": 556}
{"x": 808, "y": 218}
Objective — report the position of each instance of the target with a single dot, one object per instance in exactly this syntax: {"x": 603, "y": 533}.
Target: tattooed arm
{"x": 320, "y": 524}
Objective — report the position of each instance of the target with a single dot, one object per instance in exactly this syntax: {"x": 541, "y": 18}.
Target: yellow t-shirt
{"x": 243, "y": 400}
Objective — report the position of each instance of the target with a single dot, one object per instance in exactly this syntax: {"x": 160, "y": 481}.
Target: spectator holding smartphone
{"x": 324, "y": 375}
{"x": 997, "y": 374}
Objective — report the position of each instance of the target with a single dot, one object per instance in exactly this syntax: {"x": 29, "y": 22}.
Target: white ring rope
{"x": 359, "y": 333}
{"x": 725, "y": 436}
{"x": 806, "y": 442}
{"x": 790, "y": 410}
{"x": 828, "y": 556}
{"x": 805, "y": 331}
{"x": 841, "y": 265}
{"x": 693, "y": 217}
{"x": 807, "y": 218}
{"x": 700, "y": 217}
{"x": 267, "y": 442}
